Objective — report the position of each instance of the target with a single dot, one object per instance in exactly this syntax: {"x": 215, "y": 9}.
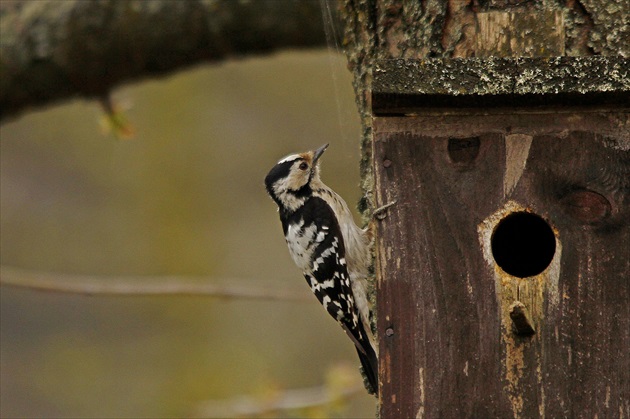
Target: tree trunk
{"x": 502, "y": 269}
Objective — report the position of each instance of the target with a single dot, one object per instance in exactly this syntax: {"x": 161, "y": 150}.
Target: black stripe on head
{"x": 280, "y": 171}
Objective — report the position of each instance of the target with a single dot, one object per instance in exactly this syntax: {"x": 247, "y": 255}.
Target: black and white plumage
{"x": 329, "y": 248}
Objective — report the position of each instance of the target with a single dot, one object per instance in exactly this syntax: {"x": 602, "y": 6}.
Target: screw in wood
{"x": 389, "y": 332}
{"x": 387, "y": 163}
{"x": 381, "y": 212}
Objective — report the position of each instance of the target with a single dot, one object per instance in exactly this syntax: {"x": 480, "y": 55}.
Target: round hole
{"x": 523, "y": 244}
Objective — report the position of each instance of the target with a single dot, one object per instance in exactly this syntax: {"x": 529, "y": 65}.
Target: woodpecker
{"x": 332, "y": 252}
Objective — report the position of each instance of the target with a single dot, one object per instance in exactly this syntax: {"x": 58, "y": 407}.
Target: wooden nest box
{"x": 503, "y": 268}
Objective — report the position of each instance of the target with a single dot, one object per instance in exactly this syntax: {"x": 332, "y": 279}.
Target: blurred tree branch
{"x": 340, "y": 386}
{"x": 53, "y": 50}
{"x": 144, "y": 285}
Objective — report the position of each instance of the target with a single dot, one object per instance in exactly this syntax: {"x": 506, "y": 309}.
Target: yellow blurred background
{"x": 185, "y": 196}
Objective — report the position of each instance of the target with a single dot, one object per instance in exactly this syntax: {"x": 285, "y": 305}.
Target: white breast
{"x": 301, "y": 242}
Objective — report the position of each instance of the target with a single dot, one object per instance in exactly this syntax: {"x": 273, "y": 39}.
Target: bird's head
{"x": 291, "y": 180}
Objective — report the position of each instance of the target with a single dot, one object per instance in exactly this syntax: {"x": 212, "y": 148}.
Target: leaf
{"x": 114, "y": 121}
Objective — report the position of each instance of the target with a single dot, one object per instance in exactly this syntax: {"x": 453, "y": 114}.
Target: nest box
{"x": 503, "y": 266}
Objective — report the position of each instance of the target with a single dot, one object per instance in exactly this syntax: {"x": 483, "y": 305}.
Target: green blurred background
{"x": 185, "y": 196}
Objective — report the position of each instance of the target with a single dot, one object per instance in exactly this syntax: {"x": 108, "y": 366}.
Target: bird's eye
{"x": 303, "y": 166}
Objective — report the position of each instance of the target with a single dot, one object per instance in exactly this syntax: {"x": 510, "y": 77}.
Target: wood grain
{"x": 450, "y": 349}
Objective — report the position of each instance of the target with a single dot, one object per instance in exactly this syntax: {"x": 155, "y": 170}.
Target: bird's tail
{"x": 369, "y": 363}
{"x": 367, "y": 354}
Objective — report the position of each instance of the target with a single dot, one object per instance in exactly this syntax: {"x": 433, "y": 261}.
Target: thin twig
{"x": 148, "y": 285}
{"x": 285, "y": 401}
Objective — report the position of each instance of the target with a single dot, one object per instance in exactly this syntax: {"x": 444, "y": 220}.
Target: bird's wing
{"x": 328, "y": 274}
{"x": 328, "y": 277}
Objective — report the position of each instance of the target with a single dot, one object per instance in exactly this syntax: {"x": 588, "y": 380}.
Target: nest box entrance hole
{"x": 523, "y": 244}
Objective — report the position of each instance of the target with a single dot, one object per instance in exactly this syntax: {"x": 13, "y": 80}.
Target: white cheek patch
{"x": 292, "y": 182}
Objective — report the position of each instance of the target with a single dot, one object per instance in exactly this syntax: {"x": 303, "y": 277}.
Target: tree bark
{"x": 486, "y": 119}
{"x": 391, "y": 29}
{"x": 54, "y": 50}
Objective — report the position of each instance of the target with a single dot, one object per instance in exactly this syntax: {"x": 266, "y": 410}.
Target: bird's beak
{"x": 318, "y": 153}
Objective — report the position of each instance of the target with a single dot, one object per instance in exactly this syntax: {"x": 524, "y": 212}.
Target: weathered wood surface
{"x": 377, "y": 30}
{"x": 448, "y": 346}
{"x": 403, "y": 86}
{"x": 546, "y": 81}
